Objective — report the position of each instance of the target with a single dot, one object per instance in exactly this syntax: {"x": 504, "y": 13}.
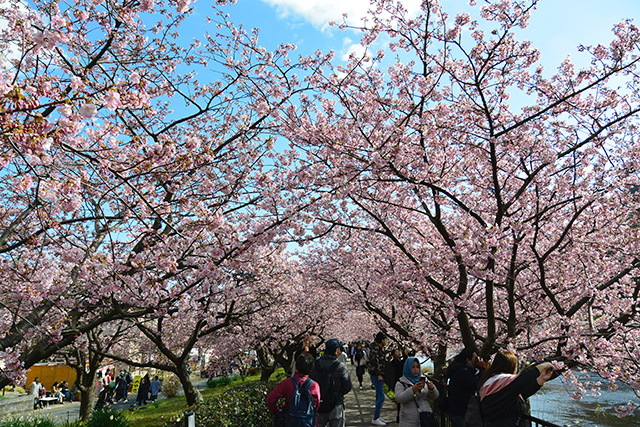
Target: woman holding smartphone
{"x": 413, "y": 392}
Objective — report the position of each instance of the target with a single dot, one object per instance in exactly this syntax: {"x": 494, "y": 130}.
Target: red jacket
{"x": 285, "y": 390}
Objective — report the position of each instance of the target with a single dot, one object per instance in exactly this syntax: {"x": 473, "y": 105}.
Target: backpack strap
{"x": 307, "y": 384}
{"x": 295, "y": 383}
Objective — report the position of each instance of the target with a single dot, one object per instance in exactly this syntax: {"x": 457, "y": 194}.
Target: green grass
{"x": 158, "y": 413}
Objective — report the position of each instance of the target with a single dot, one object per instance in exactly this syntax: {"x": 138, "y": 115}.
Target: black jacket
{"x": 463, "y": 382}
{"x": 506, "y": 407}
{"x": 340, "y": 375}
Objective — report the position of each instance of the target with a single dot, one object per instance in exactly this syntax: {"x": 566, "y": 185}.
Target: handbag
{"x": 427, "y": 418}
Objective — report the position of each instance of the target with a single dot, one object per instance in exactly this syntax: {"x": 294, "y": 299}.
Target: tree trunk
{"x": 439, "y": 362}
{"x": 266, "y": 371}
{"x": 87, "y": 388}
{"x": 191, "y": 393}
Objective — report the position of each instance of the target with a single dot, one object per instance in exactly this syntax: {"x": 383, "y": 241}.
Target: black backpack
{"x": 300, "y": 412}
{"x": 359, "y": 355}
{"x": 328, "y": 388}
{"x": 473, "y": 416}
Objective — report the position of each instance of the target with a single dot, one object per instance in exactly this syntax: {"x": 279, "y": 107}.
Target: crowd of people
{"x": 116, "y": 389}
{"x": 59, "y": 390}
{"x": 111, "y": 389}
{"x": 497, "y": 386}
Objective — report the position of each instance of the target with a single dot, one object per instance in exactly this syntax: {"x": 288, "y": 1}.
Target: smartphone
{"x": 423, "y": 379}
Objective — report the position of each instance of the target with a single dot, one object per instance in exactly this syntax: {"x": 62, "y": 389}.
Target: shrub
{"x": 170, "y": 386}
{"x": 107, "y": 419}
{"x": 256, "y": 370}
{"x": 222, "y": 381}
{"x": 242, "y": 405}
{"x": 28, "y": 422}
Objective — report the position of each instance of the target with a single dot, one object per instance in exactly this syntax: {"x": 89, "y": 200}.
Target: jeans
{"x": 379, "y": 386}
{"x": 335, "y": 418}
{"x": 360, "y": 373}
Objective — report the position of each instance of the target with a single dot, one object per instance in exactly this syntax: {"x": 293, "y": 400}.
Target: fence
{"x": 533, "y": 421}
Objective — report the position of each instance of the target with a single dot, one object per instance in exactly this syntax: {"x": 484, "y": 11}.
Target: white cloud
{"x": 356, "y": 49}
{"x": 321, "y": 12}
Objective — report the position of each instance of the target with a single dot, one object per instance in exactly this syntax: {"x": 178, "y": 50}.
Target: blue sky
{"x": 556, "y": 28}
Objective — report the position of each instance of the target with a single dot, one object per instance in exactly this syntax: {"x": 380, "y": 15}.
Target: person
{"x": 64, "y": 389}
{"x": 121, "y": 387}
{"x": 305, "y": 346}
{"x": 34, "y": 392}
{"x": 503, "y": 390}
{"x": 143, "y": 391}
{"x": 128, "y": 379}
{"x": 463, "y": 377}
{"x": 334, "y": 380}
{"x": 108, "y": 386}
{"x": 376, "y": 368}
{"x": 286, "y": 388}
{"x": 343, "y": 356}
{"x": 360, "y": 357}
{"x": 398, "y": 369}
{"x": 155, "y": 388}
{"x": 352, "y": 351}
{"x": 413, "y": 392}
{"x": 103, "y": 397}
{"x": 55, "y": 389}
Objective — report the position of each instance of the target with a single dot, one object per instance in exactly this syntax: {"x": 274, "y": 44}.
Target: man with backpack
{"x": 335, "y": 382}
{"x": 301, "y": 394}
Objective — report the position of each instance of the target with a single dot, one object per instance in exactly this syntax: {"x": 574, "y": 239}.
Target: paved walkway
{"x": 360, "y": 404}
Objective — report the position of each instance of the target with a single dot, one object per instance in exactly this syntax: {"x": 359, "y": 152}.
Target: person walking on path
{"x": 463, "y": 377}
{"x": 286, "y": 388}
{"x": 503, "y": 391}
{"x": 360, "y": 358}
{"x": 128, "y": 380}
{"x": 335, "y": 381}
{"x": 143, "y": 390}
{"x": 121, "y": 386}
{"x": 413, "y": 392}
{"x": 376, "y": 367}
{"x": 155, "y": 388}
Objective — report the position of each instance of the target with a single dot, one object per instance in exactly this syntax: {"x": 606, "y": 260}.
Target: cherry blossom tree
{"x": 127, "y": 182}
{"x": 509, "y": 191}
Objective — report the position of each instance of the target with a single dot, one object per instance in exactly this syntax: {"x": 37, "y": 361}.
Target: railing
{"x": 537, "y": 422}
{"x": 534, "y": 422}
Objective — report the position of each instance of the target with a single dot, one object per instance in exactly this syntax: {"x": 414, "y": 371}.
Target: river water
{"x": 552, "y": 403}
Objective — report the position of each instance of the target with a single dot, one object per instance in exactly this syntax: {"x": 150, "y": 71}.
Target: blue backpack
{"x": 300, "y": 412}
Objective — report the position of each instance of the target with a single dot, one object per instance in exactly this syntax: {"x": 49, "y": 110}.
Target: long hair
{"x": 504, "y": 362}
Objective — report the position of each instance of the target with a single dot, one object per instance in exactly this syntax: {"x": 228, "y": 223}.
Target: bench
{"x": 46, "y": 400}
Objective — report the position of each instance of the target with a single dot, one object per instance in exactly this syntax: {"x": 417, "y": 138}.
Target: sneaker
{"x": 360, "y": 387}
{"x": 378, "y": 422}
{"x": 383, "y": 420}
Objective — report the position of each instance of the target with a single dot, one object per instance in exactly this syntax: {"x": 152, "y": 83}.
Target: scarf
{"x": 496, "y": 383}
{"x": 407, "y": 370}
